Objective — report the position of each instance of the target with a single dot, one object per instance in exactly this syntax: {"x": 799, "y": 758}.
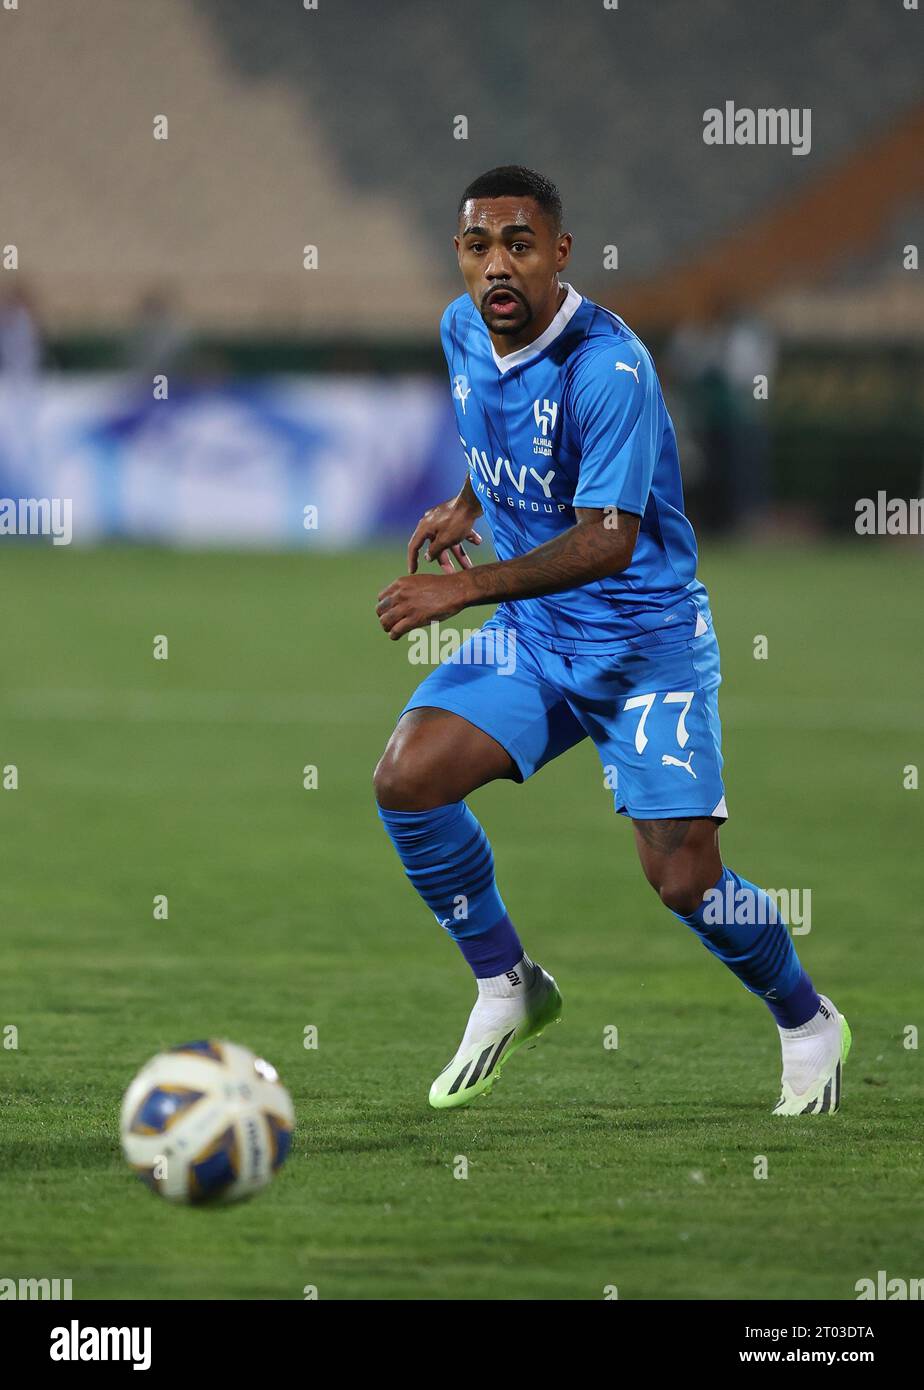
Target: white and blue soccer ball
{"x": 206, "y": 1122}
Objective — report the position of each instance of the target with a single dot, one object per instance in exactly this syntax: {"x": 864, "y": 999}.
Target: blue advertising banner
{"x": 278, "y": 462}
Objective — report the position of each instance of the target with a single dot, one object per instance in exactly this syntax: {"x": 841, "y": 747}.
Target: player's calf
{"x": 433, "y": 760}
{"x": 742, "y": 926}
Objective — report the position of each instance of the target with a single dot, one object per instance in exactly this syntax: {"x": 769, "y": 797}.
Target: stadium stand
{"x": 278, "y": 140}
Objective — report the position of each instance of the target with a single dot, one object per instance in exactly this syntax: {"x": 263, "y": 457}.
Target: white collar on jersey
{"x": 570, "y": 304}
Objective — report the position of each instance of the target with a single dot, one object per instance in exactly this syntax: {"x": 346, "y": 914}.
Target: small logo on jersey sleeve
{"x": 624, "y": 367}
{"x": 461, "y": 390}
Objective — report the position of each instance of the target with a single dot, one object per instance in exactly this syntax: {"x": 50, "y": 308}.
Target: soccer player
{"x": 603, "y": 631}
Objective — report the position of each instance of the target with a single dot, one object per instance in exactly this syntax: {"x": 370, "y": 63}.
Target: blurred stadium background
{"x": 333, "y": 128}
{"x": 293, "y": 387}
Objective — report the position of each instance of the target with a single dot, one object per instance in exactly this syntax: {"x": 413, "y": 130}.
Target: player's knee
{"x": 682, "y": 892}
{"x": 400, "y": 780}
{"x": 391, "y": 782}
{"x": 680, "y": 898}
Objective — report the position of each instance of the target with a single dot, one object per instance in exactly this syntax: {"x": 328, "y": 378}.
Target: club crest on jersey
{"x": 545, "y": 413}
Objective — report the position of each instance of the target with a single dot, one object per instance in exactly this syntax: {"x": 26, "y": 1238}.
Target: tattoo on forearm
{"x": 577, "y": 556}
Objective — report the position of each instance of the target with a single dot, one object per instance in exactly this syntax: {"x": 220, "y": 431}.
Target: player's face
{"x": 510, "y": 255}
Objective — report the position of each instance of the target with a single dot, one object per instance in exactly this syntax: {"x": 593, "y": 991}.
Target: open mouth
{"x": 503, "y": 302}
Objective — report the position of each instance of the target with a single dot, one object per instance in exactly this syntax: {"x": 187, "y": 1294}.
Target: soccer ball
{"x": 208, "y": 1121}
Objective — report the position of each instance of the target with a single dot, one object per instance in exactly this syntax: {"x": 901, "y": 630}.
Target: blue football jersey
{"x": 575, "y": 419}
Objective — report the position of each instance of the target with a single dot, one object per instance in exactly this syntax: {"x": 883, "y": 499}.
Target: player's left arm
{"x": 598, "y": 545}
{"x": 616, "y": 407}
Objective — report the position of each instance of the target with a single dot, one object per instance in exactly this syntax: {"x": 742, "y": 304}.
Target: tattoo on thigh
{"x": 665, "y": 836}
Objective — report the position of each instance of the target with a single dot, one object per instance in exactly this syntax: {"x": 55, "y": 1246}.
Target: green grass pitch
{"x": 588, "y": 1167}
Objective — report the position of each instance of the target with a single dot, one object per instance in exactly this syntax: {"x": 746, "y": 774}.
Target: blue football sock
{"x": 742, "y": 926}
{"x": 447, "y": 856}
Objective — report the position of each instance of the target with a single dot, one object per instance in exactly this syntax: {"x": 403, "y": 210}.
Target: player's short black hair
{"x": 513, "y": 180}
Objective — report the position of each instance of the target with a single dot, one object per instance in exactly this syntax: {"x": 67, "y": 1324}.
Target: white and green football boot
{"x": 813, "y": 1063}
{"x": 496, "y": 1028}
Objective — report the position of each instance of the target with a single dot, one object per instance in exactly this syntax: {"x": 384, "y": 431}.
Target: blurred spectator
{"x": 159, "y": 340}
{"x": 20, "y": 336}
{"x": 714, "y": 362}
{"x": 21, "y": 352}
{"x": 750, "y": 352}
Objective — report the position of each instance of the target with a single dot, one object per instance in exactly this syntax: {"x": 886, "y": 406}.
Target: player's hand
{"x": 445, "y": 528}
{"x": 415, "y": 600}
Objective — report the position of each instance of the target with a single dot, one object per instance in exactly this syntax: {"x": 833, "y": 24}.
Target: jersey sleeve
{"x": 617, "y": 408}
{"x": 446, "y": 335}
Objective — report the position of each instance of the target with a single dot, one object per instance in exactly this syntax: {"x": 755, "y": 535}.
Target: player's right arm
{"x": 445, "y": 528}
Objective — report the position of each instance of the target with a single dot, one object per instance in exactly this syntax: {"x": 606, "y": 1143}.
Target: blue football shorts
{"x": 650, "y": 704}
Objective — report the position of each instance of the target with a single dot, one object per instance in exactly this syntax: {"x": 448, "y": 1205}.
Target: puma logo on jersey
{"x": 461, "y": 390}
{"x": 667, "y": 760}
{"x": 623, "y": 367}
